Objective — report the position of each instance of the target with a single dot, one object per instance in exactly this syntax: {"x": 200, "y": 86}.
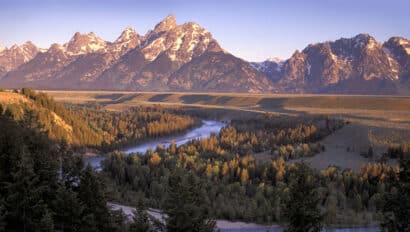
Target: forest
{"x": 93, "y": 127}
{"x": 44, "y": 185}
{"x": 237, "y": 187}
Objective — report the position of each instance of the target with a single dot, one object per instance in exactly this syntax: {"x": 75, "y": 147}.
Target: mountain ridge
{"x": 186, "y": 57}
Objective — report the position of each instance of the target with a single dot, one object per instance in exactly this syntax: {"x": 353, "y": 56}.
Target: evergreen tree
{"x": 25, "y": 199}
{"x": 47, "y": 223}
{"x": 396, "y": 208}
{"x": 301, "y": 209}
{"x": 3, "y": 213}
{"x": 140, "y": 220}
{"x": 185, "y": 205}
{"x": 91, "y": 194}
{"x": 69, "y": 211}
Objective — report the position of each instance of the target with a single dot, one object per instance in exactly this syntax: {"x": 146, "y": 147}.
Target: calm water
{"x": 207, "y": 128}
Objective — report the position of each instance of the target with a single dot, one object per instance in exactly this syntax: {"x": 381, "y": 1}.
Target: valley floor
{"x": 377, "y": 121}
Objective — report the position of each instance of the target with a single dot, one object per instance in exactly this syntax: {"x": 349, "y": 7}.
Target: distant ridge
{"x": 173, "y": 57}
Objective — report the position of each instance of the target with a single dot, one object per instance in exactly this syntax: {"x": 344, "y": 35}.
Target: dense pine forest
{"x": 44, "y": 185}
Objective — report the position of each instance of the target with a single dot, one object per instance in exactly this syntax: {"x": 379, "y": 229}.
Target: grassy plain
{"x": 377, "y": 121}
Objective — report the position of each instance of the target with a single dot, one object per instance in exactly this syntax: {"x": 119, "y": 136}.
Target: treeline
{"x": 85, "y": 126}
{"x": 44, "y": 186}
{"x": 239, "y": 188}
{"x": 287, "y": 139}
{"x": 132, "y": 126}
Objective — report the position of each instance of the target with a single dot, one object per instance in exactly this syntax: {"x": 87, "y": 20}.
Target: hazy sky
{"x": 250, "y": 29}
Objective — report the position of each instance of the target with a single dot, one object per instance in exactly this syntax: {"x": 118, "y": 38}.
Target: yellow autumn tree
{"x": 244, "y": 176}
{"x": 155, "y": 159}
{"x": 208, "y": 170}
{"x": 279, "y": 166}
{"x": 225, "y": 169}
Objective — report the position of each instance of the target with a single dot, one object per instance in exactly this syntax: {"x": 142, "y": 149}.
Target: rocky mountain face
{"x": 358, "y": 65}
{"x": 160, "y": 60}
{"x": 13, "y": 57}
{"x": 186, "y": 57}
{"x": 271, "y": 68}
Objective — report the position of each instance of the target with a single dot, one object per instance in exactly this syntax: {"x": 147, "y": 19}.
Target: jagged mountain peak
{"x": 85, "y": 43}
{"x": 128, "y": 34}
{"x": 398, "y": 42}
{"x": 56, "y": 47}
{"x": 179, "y": 42}
{"x": 364, "y": 40}
{"x": 166, "y": 24}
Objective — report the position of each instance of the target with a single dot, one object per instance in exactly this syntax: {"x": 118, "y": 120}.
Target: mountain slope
{"x": 42, "y": 113}
{"x": 219, "y": 72}
{"x": 11, "y": 58}
{"x": 358, "y": 65}
{"x": 186, "y": 57}
{"x": 134, "y": 62}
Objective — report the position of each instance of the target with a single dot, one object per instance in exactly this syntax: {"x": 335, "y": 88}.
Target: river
{"x": 207, "y": 128}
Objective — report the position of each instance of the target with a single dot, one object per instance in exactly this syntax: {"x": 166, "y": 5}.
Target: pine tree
{"x": 140, "y": 220}
{"x": 185, "y": 205}
{"x": 24, "y": 199}
{"x": 69, "y": 211}
{"x": 47, "y": 223}
{"x": 396, "y": 209}
{"x": 91, "y": 194}
{"x": 3, "y": 213}
{"x": 301, "y": 209}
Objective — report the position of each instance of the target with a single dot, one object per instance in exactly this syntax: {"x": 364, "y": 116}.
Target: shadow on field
{"x": 160, "y": 97}
{"x": 121, "y": 99}
{"x": 109, "y": 96}
{"x": 197, "y": 98}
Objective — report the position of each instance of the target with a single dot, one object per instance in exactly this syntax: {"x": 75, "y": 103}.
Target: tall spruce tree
{"x": 302, "y": 212}
{"x": 396, "y": 209}
{"x": 140, "y": 219}
{"x": 185, "y": 205}
{"x": 91, "y": 194}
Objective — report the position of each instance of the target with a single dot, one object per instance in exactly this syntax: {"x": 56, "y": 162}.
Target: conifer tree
{"x": 140, "y": 219}
{"x": 91, "y": 194}
{"x": 185, "y": 205}
{"x": 396, "y": 209}
{"x": 301, "y": 209}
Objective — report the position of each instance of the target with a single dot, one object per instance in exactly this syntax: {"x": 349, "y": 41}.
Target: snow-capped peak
{"x": 274, "y": 59}
{"x": 2, "y": 48}
{"x": 128, "y": 34}
{"x": 166, "y": 24}
{"x": 85, "y": 43}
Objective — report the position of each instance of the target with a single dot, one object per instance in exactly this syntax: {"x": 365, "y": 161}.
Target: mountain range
{"x": 186, "y": 57}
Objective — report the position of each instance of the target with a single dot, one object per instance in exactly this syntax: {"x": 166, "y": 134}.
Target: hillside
{"x": 38, "y": 111}
{"x": 90, "y": 126}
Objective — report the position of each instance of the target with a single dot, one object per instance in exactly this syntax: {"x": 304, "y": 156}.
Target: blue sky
{"x": 250, "y": 29}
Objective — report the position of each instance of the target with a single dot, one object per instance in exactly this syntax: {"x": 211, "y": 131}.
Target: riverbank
{"x": 207, "y": 128}
{"x": 234, "y": 226}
